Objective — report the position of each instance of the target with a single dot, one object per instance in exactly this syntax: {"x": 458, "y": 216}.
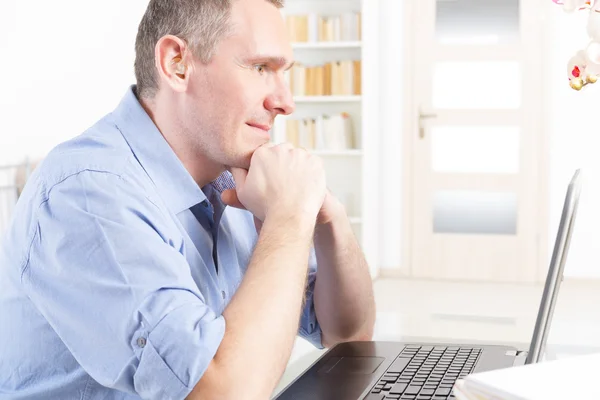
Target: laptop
{"x": 380, "y": 370}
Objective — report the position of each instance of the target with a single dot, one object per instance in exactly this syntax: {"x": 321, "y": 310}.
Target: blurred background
{"x": 447, "y": 127}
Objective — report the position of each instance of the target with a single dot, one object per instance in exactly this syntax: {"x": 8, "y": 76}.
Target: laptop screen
{"x": 555, "y": 271}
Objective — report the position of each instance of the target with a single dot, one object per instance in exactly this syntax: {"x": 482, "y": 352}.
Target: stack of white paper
{"x": 571, "y": 378}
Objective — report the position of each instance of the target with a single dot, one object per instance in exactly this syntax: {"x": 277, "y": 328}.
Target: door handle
{"x": 423, "y": 117}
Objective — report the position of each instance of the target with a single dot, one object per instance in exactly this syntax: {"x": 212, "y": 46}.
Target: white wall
{"x": 392, "y": 75}
{"x": 64, "y": 65}
{"x": 574, "y": 128}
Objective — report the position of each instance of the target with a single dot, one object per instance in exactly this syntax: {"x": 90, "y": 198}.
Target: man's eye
{"x": 260, "y": 68}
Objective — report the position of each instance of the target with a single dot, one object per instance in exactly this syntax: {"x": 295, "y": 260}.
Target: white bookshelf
{"x": 337, "y": 153}
{"x": 328, "y": 99}
{"x": 351, "y": 173}
{"x": 327, "y": 45}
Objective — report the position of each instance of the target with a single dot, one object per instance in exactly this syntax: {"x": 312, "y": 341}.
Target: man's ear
{"x": 179, "y": 67}
{"x": 171, "y": 58}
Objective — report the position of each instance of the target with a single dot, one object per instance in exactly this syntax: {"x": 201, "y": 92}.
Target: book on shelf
{"x": 336, "y": 78}
{"x": 324, "y": 132}
{"x": 325, "y": 28}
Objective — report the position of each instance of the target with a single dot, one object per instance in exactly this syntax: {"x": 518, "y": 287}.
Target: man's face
{"x": 235, "y": 98}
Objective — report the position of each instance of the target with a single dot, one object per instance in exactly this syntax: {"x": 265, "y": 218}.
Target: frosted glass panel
{"x": 470, "y": 212}
{"x": 477, "y": 21}
{"x": 477, "y": 85}
{"x": 479, "y": 149}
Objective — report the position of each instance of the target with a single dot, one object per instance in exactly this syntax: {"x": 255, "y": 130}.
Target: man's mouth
{"x": 265, "y": 128}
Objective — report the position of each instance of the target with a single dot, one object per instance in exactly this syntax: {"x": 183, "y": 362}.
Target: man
{"x": 125, "y": 275}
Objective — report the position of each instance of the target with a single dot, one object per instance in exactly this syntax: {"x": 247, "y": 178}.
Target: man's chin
{"x": 242, "y": 162}
{"x": 243, "y": 159}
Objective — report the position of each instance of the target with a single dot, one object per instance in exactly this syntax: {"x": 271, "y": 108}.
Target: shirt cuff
{"x": 309, "y": 326}
{"x": 174, "y": 355}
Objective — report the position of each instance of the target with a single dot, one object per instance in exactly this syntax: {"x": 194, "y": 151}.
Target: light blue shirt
{"x": 108, "y": 284}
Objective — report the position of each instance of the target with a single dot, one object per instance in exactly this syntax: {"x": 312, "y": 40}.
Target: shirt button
{"x": 223, "y": 294}
{"x": 141, "y": 342}
{"x": 205, "y": 203}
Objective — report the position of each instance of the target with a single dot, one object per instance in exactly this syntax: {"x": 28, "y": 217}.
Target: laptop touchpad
{"x": 351, "y": 365}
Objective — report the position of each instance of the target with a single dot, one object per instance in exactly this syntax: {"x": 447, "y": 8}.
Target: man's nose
{"x": 281, "y": 100}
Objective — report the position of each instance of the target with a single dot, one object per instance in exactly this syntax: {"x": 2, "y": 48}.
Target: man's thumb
{"x": 239, "y": 176}
{"x": 230, "y": 198}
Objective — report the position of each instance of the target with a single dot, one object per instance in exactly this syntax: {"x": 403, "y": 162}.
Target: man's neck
{"x": 201, "y": 168}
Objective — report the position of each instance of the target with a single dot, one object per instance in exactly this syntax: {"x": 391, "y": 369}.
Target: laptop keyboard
{"x": 425, "y": 373}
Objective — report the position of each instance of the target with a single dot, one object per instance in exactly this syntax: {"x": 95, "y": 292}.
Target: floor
{"x": 475, "y": 312}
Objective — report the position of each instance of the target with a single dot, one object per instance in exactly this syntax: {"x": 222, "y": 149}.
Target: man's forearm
{"x": 343, "y": 296}
{"x": 263, "y": 316}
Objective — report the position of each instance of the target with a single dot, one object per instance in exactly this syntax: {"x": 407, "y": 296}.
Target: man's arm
{"x": 263, "y": 316}
{"x": 343, "y": 295}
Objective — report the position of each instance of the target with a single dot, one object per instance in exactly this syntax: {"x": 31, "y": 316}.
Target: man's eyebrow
{"x": 279, "y": 61}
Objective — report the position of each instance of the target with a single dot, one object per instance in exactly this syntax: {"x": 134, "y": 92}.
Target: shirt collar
{"x": 173, "y": 182}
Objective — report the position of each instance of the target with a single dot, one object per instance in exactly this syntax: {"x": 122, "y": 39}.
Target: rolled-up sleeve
{"x": 309, "y": 325}
{"x": 113, "y": 283}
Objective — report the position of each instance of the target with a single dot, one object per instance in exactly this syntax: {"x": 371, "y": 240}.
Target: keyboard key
{"x": 398, "y": 388}
{"x": 398, "y": 365}
{"x": 391, "y": 379}
{"x": 412, "y": 389}
{"x": 392, "y": 397}
{"x": 443, "y": 391}
{"x": 375, "y": 396}
{"x": 427, "y": 348}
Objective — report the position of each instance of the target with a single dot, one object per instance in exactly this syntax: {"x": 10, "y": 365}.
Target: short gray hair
{"x": 200, "y": 23}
